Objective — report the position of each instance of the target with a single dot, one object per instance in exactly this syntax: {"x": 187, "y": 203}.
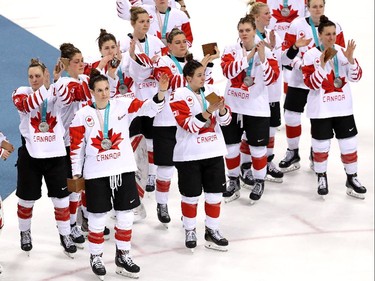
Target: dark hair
{"x": 190, "y": 67}
{"x": 68, "y": 51}
{"x": 324, "y": 22}
{"x": 96, "y": 76}
{"x": 37, "y": 63}
{"x": 173, "y": 33}
{"x": 247, "y": 19}
{"x": 135, "y": 12}
{"x": 309, "y": 1}
{"x": 104, "y": 36}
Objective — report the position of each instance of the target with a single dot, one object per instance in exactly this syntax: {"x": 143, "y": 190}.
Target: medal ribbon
{"x": 313, "y": 29}
{"x": 120, "y": 76}
{"x": 260, "y": 35}
{"x": 165, "y": 23}
{"x": 336, "y": 64}
{"x": 204, "y": 102}
{"x": 177, "y": 63}
{"x": 44, "y": 111}
{"x": 146, "y": 51}
{"x": 285, "y": 3}
{"x": 104, "y": 127}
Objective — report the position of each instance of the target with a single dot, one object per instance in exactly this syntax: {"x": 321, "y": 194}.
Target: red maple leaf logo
{"x": 329, "y": 86}
{"x": 116, "y": 139}
{"x": 51, "y": 121}
{"x": 279, "y": 18}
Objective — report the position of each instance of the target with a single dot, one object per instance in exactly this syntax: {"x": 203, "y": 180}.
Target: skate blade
{"x": 246, "y": 186}
{"x": 123, "y": 272}
{"x": 106, "y": 237}
{"x": 352, "y": 193}
{"x": 70, "y": 255}
{"x": 101, "y": 277}
{"x": 235, "y": 196}
{"x": 213, "y": 246}
{"x": 272, "y": 179}
{"x": 252, "y": 201}
{"x": 166, "y": 225}
{"x": 291, "y": 168}
{"x": 80, "y": 246}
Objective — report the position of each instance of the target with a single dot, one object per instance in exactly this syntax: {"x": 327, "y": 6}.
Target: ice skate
{"x": 322, "y": 184}
{"x": 139, "y": 213}
{"x": 354, "y": 187}
{"x": 290, "y": 162}
{"x": 233, "y": 190}
{"x": 97, "y": 266}
{"x": 163, "y": 215}
{"x": 191, "y": 239}
{"x": 246, "y": 176}
{"x": 215, "y": 241}
{"x": 26, "y": 242}
{"x": 68, "y": 245}
{"x": 257, "y": 191}
{"x": 150, "y": 186}
{"x": 76, "y": 235}
{"x": 273, "y": 174}
{"x": 125, "y": 265}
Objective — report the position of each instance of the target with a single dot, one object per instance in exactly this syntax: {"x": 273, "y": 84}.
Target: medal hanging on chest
{"x": 106, "y": 143}
{"x": 43, "y": 125}
{"x": 248, "y": 81}
{"x": 123, "y": 89}
{"x": 208, "y": 123}
{"x": 337, "y": 83}
{"x": 285, "y": 12}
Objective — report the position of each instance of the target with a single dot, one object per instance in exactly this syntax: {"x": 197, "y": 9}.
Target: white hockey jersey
{"x": 29, "y": 104}
{"x": 324, "y": 99}
{"x": 275, "y": 89}
{"x": 253, "y": 100}
{"x": 177, "y": 18}
{"x": 86, "y": 135}
{"x": 145, "y": 86}
{"x": 298, "y": 28}
{"x": 176, "y": 80}
{"x": 279, "y": 22}
{"x": 194, "y": 140}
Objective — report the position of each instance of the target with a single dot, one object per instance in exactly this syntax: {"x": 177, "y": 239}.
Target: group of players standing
{"x": 148, "y": 84}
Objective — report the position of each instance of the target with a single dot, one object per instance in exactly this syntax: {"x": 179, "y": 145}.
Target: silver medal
{"x": 337, "y": 83}
{"x": 123, "y": 89}
{"x": 106, "y": 144}
{"x": 43, "y": 127}
{"x": 207, "y": 124}
{"x": 285, "y": 12}
{"x": 248, "y": 81}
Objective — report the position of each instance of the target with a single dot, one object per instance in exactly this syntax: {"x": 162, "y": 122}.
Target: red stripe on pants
{"x": 212, "y": 210}
{"x": 24, "y": 213}
{"x": 293, "y": 132}
{"x": 123, "y": 234}
{"x": 189, "y": 210}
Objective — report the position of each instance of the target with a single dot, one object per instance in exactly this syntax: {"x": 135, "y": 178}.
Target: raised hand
{"x": 348, "y": 53}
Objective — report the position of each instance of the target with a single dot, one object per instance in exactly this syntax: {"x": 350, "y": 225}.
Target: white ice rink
{"x": 290, "y": 234}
